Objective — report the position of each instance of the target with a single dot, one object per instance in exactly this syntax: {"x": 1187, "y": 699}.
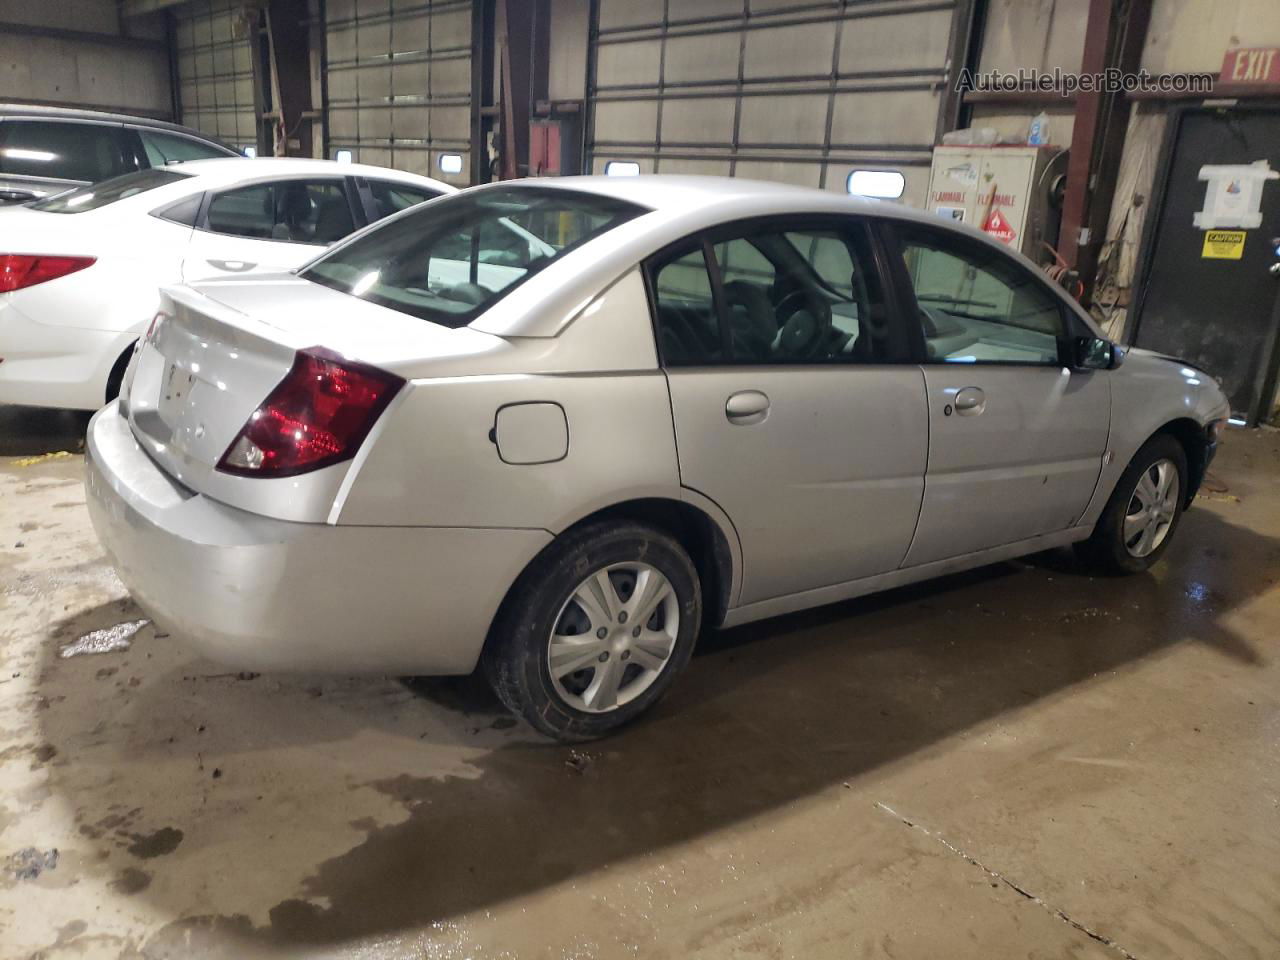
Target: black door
{"x": 1208, "y": 297}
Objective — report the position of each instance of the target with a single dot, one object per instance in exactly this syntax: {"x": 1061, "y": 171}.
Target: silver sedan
{"x": 556, "y": 428}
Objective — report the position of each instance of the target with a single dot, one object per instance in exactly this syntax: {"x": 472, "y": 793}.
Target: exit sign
{"x": 1252, "y": 65}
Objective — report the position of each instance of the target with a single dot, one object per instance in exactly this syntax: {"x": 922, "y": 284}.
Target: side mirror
{"x": 1094, "y": 353}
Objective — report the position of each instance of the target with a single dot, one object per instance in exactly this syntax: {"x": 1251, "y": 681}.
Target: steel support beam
{"x": 1134, "y": 20}
{"x": 525, "y": 40}
{"x": 483, "y": 50}
{"x": 1114, "y": 37}
{"x": 292, "y": 38}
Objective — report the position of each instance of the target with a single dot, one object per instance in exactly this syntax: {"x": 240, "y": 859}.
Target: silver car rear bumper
{"x": 259, "y": 593}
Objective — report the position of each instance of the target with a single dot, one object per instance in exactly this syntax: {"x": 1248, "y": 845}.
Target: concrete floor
{"x": 1019, "y": 762}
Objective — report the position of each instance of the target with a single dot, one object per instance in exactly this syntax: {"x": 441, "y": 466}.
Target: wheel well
{"x": 696, "y": 532}
{"x": 1189, "y": 433}
{"x": 116, "y": 377}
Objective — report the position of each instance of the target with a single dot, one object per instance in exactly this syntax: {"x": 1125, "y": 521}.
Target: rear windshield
{"x": 109, "y": 191}
{"x": 450, "y": 260}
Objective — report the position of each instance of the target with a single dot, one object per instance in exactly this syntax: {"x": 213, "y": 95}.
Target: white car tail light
{"x": 21, "y": 270}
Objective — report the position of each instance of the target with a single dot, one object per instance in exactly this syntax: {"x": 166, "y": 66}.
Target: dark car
{"x": 45, "y": 150}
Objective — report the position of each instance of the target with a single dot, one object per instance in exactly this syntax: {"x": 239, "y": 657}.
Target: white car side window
{"x": 294, "y": 211}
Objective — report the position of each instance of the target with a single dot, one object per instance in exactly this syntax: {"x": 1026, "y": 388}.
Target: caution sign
{"x": 1223, "y": 245}
{"x": 998, "y": 227}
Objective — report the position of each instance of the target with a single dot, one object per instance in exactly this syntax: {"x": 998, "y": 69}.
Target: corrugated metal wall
{"x": 787, "y": 90}
{"x": 215, "y": 71}
{"x": 399, "y": 82}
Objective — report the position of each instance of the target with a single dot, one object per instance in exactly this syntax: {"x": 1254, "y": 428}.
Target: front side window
{"x": 165, "y": 148}
{"x": 785, "y": 296}
{"x": 977, "y": 305}
{"x": 452, "y": 261}
{"x": 293, "y": 211}
{"x": 61, "y": 150}
{"x": 109, "y": 191}
{"x": 390, "y": 197}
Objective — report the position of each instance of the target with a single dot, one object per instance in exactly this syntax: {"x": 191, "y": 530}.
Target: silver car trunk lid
{"x": 197, "y": 378}
{"x": 221, "y": 347}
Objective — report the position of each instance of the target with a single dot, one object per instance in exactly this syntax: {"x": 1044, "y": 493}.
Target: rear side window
{"x": 165, "y": 148}
{"x": 451, "y": 261}
{"x": 62, "y": 151}
{"x": 688, "y": 324}
{"x": 294, "y": 211}
{"x": 109, "y": 191}
{"x": 389, "y": 197}
{"x": 771, "y": 295}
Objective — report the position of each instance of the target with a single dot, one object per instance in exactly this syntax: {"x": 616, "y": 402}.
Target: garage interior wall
{"x": 214, "y": 58}
{"x": 1044, "y": 35}
{"x": 399, "y": 83}
{"x": 1182, "y": 38}
{"x": 79, "y": 53}
{"x": 787, "y": 90}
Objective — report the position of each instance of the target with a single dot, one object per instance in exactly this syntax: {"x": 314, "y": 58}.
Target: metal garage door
{"x": 215, "y": 69}
{"x": 399, "y": 83}
{"x": 788, "y": 90}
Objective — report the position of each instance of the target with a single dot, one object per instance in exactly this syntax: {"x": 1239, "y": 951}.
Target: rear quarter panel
{"x": 435, "y": 462}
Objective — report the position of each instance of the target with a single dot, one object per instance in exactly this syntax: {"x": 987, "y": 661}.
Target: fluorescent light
{"x": 249, "y": 152}
{"x": 622, "y": 168}
{"x": 450, "y": 162}
{"x": 343, "y": 156}
{"x": 885, "y": 184}
{"x": 40, "y": 156}
{"x": 1237, "y": 422}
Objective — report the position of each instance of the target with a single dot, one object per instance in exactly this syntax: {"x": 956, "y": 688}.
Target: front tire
{"x": 1138, "y": 522}
{"x": 595, "y": 631}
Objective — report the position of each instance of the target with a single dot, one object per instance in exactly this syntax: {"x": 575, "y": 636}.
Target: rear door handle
{"x": 746, "y": 407}
{"x": 970, "y": 401}
{"x": 232, "y": 266}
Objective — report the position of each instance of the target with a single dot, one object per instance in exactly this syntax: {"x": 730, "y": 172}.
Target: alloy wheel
{"x": 1152, "y": 509}
{"x": 613, "y": 637}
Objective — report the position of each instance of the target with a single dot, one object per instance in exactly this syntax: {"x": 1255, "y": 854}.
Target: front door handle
{"x": 232, "y": 266}
{"x": 970, "y": 401}
{"x": 746, "y": 407}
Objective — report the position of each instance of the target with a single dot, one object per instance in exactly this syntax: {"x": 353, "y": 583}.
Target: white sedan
{"x": 80, "y": 272}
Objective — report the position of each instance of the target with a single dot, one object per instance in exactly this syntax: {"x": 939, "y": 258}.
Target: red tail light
{"x": 319, "y": 414}
{"x": 21, "y": 270}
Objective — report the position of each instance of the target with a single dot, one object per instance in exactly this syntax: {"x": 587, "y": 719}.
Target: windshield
{"x": 109, "y": 191}
{"x": 452, "y": 259}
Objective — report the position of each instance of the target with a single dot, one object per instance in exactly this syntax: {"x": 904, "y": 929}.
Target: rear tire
{"x": 595, "y": 630}
{"x": 1139, "y": 521}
